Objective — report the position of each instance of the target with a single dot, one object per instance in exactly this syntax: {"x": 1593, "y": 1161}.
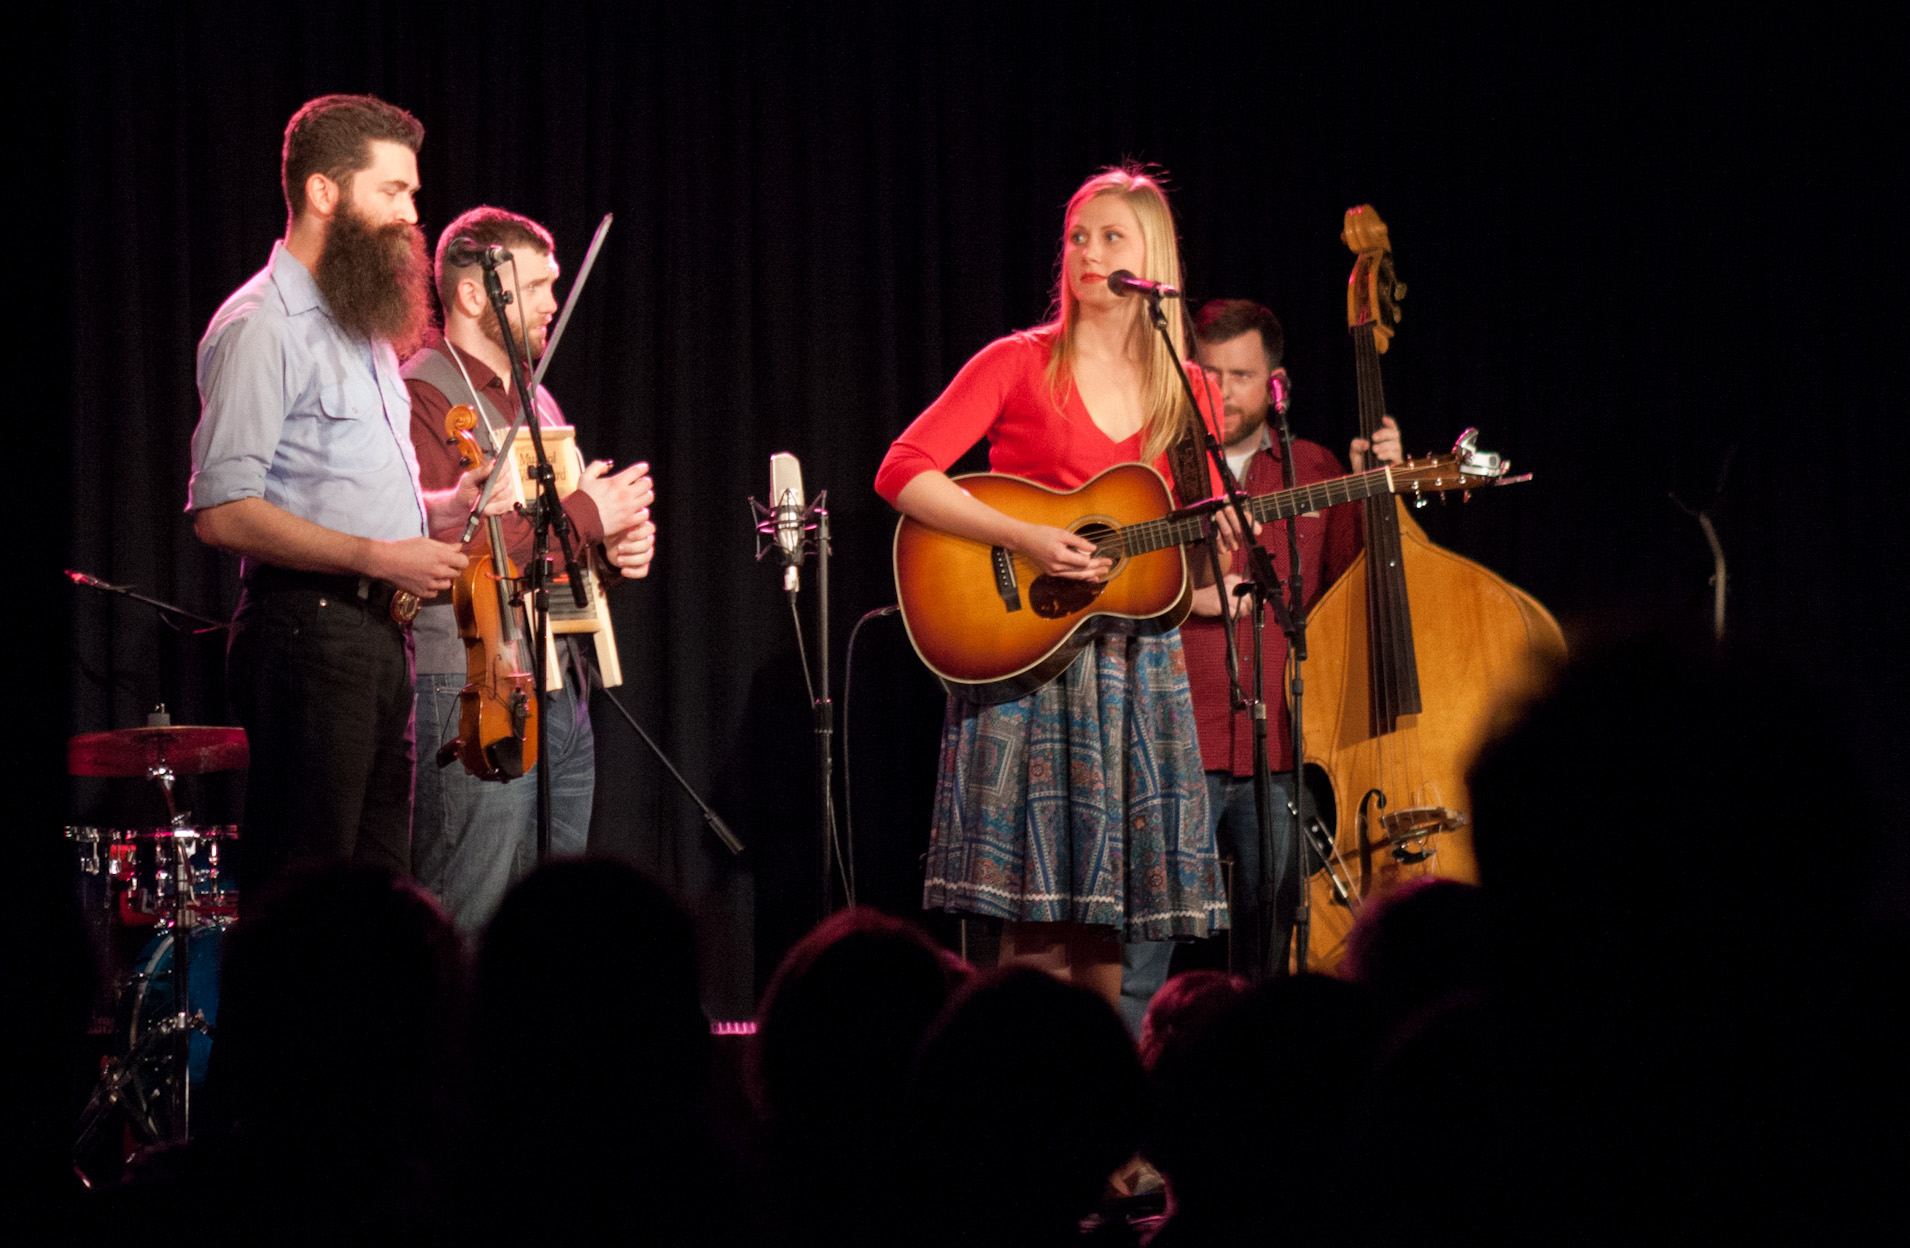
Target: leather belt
{"x": 380, "y": 597}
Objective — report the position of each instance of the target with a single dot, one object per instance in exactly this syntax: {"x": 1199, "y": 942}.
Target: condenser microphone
{"x": 463, "y": 253}
{"x": 1122, "y": 282}
{"x": 786, "y": 503}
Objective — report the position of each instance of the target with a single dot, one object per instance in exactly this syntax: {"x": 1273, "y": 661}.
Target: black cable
{"x": 848, "y": 713}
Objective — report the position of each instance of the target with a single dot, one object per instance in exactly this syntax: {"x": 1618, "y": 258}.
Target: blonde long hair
{"x": 1162, "y": 395}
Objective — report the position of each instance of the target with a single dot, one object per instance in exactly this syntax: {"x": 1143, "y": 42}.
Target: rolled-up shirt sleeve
{"x": 245, "y": 390}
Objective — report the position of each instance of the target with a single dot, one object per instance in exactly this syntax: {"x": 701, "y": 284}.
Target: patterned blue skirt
{"x": 1083, "y": 802}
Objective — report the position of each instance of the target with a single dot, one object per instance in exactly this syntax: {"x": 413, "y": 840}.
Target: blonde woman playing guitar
{"x": 1076, "y": 813}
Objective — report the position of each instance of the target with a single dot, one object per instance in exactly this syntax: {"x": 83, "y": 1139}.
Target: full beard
{"x": 376, "y": 279}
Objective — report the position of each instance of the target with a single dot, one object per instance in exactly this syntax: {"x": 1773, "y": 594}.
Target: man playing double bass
{"x": 302, "y": 464}
{"x": 474, "y": 837}
{"x": 1241, "y": 349}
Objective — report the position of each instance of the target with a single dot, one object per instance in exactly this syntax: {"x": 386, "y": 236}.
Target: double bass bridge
{"x": 1409, "y": 832}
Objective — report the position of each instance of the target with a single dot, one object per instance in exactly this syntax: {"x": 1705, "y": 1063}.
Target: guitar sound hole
{"x": 1052, "y": 597}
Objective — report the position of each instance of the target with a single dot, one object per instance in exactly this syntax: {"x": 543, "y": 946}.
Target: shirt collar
{"x": 1268, "y": 443}
{"x": 481, "y": 374}
{"x": 295, "y": 282}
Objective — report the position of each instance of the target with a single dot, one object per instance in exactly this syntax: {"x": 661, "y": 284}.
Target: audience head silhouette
{"x": 1027, "y": 1095}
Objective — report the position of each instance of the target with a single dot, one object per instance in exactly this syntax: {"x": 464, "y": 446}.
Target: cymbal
{"x": 187, "y": 749}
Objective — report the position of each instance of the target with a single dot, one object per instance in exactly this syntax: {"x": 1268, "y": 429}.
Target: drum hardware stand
{"x": 120, "y": 1072}
{"x": 173, "y": 1034}
{"x": 161, "y": 773}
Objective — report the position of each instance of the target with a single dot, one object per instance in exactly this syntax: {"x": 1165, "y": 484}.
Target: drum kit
{"x": 176, "y": 884}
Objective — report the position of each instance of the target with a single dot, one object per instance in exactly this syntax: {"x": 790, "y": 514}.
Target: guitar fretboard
{"x": 1138, "y": 539}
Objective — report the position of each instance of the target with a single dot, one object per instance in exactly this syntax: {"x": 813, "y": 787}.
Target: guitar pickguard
{"x": 1053, "y": 597}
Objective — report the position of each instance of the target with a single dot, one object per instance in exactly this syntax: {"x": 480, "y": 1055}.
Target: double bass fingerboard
{"x": 1393, "y": 669}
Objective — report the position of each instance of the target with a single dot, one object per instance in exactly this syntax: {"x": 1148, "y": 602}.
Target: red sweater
{"x": 1002, "y": 394}
{"x": 1329, "y": 542}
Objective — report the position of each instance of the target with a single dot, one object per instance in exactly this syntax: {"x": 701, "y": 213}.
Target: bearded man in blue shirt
{"x": 302, "y": 464}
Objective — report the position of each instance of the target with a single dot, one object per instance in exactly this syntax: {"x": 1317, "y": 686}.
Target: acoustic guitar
{"x": 994, "y": 627}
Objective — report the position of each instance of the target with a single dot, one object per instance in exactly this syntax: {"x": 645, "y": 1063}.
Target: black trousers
{"x": 321, "y": 680}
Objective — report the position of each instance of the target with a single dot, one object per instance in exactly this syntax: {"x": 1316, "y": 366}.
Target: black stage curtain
{"x": 1633, "y": 252}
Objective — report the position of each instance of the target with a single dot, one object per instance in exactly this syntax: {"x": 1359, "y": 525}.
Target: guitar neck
{"x": 1279, "y": 505}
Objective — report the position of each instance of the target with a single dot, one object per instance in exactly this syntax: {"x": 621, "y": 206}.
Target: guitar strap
{"x": 1188, "y": 462}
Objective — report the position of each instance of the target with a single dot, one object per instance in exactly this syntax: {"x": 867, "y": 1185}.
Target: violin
{"x": 497, "y": 708}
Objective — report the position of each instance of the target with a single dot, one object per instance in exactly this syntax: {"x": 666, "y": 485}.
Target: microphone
{"x": 1280, "y": 390}
{"x": 1122, "y": 282}
{"x": 463, "y": 253}
{"x": 786, "y": 504}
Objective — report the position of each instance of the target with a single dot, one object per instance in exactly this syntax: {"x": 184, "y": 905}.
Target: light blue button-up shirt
{"x": 296, "y": 411}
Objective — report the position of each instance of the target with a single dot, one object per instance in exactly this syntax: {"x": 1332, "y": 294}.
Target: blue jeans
{"x": 472, "y": 839}
{"x": 1230, "y": 804}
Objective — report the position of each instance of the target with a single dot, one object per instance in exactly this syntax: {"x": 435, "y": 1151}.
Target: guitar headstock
{"x": 1465, "y": 467}
{"x": 1373, "y": 291}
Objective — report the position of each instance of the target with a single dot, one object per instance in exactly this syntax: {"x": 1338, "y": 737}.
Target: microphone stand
{"x": 545, "y": 514}
{"x": 1293, "y": 620}
{"x": 1264, "y": 584}
{"x": 813, "y": 518}
{"x": 711, "y": 819}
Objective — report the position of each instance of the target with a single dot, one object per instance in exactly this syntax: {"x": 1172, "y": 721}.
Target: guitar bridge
{"x": 1005, "y": 583}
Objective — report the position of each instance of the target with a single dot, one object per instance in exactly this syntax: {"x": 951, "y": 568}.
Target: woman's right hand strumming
{"x": 1061, "y": 553}
{"x": 938, "y": 502}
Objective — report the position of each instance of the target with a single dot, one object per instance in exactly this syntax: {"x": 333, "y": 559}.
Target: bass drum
{"x": 148, "y": 1007}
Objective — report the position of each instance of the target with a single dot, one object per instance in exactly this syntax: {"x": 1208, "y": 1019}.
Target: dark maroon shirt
{"x": 1329, "y": 542}
{"x": 438, "y": 467}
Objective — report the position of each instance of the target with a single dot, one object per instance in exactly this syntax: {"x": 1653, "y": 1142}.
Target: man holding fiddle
{"x": 474, "y": 837}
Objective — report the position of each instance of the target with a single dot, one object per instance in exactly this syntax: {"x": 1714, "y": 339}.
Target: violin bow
{"x": 537, "y": 377}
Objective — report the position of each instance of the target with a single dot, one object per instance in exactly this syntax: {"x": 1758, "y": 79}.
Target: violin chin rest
{"x": 506, "y": 757}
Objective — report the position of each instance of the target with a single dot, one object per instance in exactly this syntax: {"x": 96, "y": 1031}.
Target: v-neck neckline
{"x": 1075, "y": 398}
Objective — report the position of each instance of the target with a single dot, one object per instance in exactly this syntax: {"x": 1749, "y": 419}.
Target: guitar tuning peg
{"x": 1399, "y": 290}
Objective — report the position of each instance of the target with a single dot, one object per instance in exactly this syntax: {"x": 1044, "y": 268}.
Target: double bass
{"x": 1409, "y": 653}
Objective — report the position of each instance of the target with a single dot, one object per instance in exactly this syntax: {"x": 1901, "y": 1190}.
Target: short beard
{"x": 376, "y": 279}
{"x": 487, "y": 324}
{"x": 1250, "y": 428}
